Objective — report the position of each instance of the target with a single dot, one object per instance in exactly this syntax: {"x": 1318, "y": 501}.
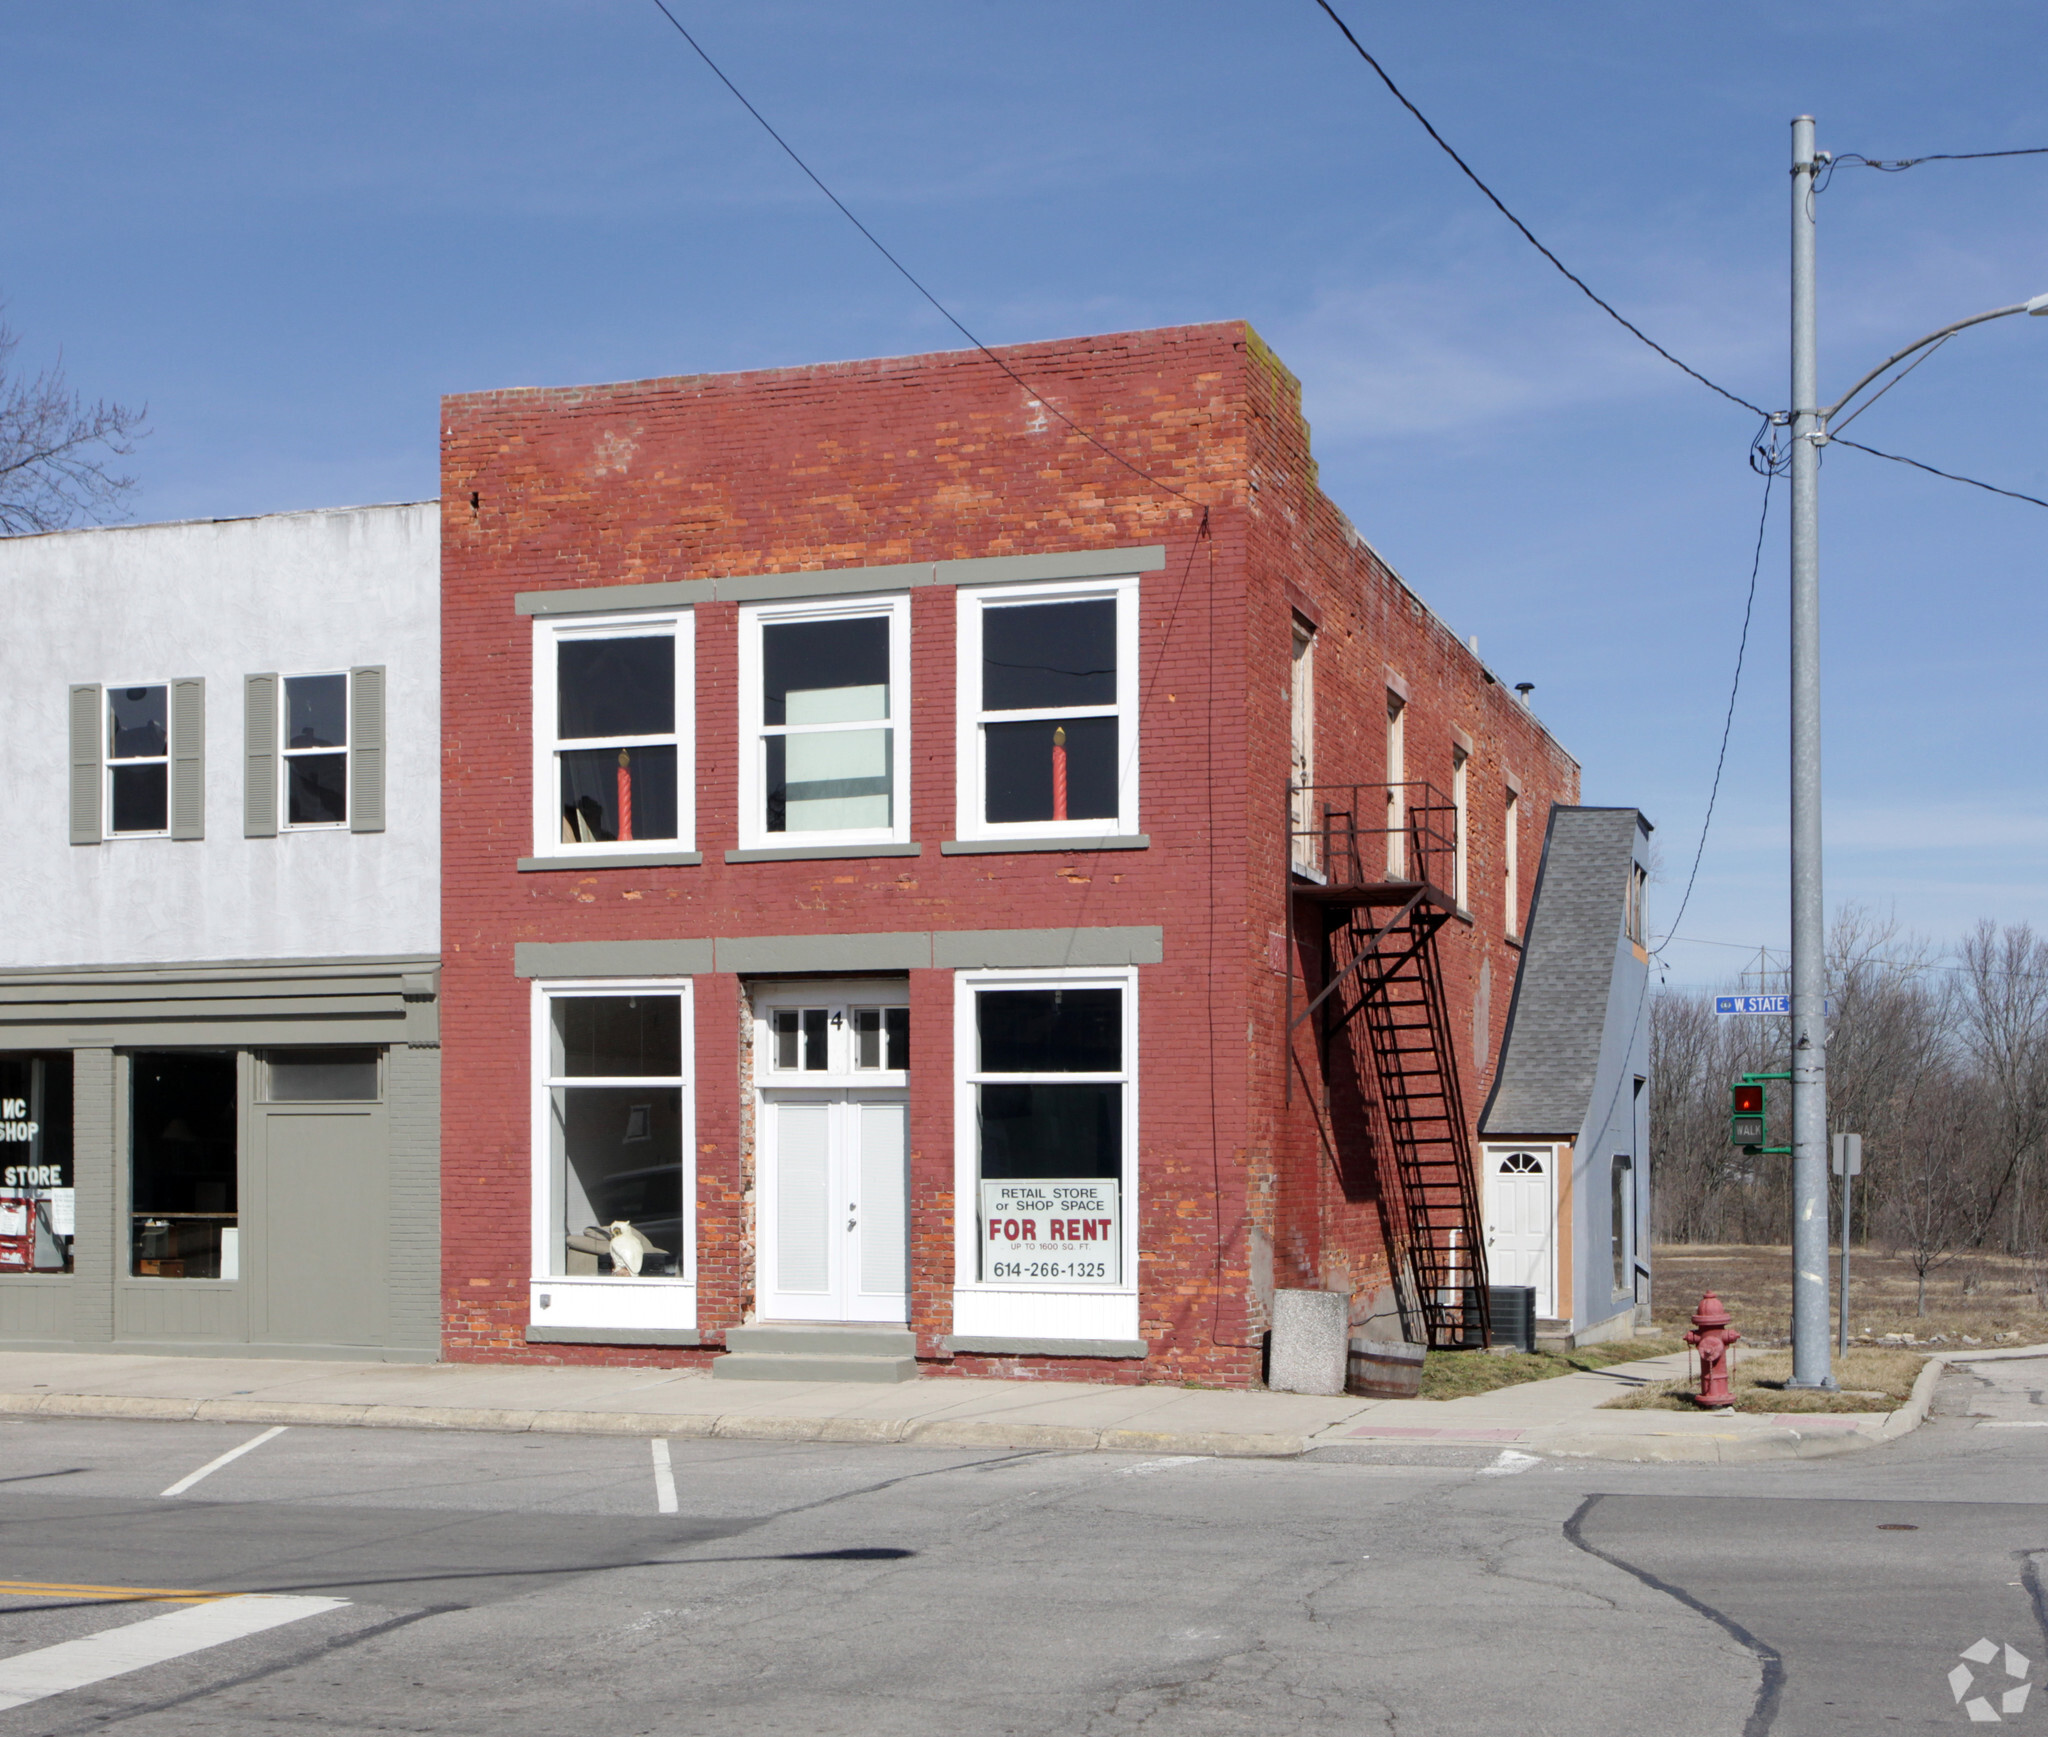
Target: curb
{"x": 961, "y": 1433}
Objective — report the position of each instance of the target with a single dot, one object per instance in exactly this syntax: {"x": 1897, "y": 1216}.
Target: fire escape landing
{"x": 1369, "y": 872}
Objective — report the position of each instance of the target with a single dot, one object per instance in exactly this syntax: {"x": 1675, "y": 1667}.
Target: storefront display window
{"x": 615, "y": 1114}
{"x": 37, "y": 1193}
{"x": 1050, "y": 1085}
{"x": 184, "y": 1196}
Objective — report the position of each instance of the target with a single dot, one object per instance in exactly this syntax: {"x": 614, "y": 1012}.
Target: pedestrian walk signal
{"x": 1746, "y": 1114}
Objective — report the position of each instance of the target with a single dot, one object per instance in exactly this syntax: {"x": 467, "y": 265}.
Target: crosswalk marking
{"x": 212, "y": 1466}
{"x": 74, "y": 1664}
{"x": 664, "y": 1479}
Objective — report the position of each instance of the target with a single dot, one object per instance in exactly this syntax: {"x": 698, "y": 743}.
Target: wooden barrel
{"x": 1378, "y": 1369}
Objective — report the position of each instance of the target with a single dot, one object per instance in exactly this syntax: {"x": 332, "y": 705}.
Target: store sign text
{"x": 1064, "y": 1232}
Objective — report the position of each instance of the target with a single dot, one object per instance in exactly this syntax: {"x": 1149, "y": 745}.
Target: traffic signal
{"x": 1746, "y": 1114}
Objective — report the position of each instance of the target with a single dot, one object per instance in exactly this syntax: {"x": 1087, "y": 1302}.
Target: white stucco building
{"x": 218, "y": 973}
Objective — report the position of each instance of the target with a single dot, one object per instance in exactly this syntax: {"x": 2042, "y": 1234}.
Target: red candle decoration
{"x": 625, "y": 796}
{"x": 1059, "y": 772}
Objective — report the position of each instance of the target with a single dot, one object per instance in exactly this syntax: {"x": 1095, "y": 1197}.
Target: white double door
{"x": 835, "y": 1205}
{"x": 1521, "y": 1221}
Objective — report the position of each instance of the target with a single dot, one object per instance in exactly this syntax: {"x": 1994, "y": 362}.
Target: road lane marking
{"x": 107, "y": 1594}
{"x": 212, "y": 1466}
{"x": 75, "y": 1664}
{"x": 2013, "y": 1423}
{"x": 664, "y": 1478}
{"x": 1145, "y": 1468}
{"x": 1509, "y": 1463}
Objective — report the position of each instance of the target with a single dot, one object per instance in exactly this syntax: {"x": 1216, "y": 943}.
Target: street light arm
{"x": 1828, "y": 415}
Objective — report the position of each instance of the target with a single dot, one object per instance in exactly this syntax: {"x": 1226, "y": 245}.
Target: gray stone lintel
{"x": 822, "y": 852}
{"x": 909, "y": 950}
{"x": 610, "y": 958}
{"x": 624, "y": 859}
{"x": 992, "y": 1345}
{"x": 844, "y": 581}
{"x": 1008, "y": 846}
{"x": 613, "y": 1336}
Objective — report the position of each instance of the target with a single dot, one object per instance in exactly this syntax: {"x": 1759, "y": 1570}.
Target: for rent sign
{"x": 1065, "y": 1232}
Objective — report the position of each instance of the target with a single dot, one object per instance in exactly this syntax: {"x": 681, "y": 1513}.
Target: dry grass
{"x": 1457, "y": 1374}
{"x": 1980, "y": 1300}
{"x": 1872, "y": 1379}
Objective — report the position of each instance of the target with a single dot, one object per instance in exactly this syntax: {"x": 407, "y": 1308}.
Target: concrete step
{"x": 817, "y": 1351}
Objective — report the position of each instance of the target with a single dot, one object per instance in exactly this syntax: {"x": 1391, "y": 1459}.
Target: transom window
{"x": 822, "y": 699}
{"x": 139, "y": 758}
{"x": 613, "y": 1104}
{"x": 1048, "y": 739}
{"x": 611, "y": 724}
{"x": 856, "y": 1039}
{"x": 315, "y": 723}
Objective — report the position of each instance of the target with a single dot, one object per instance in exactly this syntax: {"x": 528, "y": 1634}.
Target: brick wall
{"x": 922, "y": 459}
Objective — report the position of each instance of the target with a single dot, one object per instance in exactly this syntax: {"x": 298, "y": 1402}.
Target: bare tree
{"x": 2005, "y": 1030}
{"x": 1940, "y": 1194}
{"x": 56, "y": 450}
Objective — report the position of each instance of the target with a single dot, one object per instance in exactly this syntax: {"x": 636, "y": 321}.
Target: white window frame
{"x": 753, "y": 752}
{"x": 1305, "y": 852}
{"x": 286, "y": 753}
{"x": 1461, "y": 820}
{"x": 971, "y": 718}
{"x": 108, "y": 762}
{"x": 606, "y": 1301}
{"x": 1511, "y": 810}
{"x": 548, "y": 633}
{"x": 1026, "y": 1308}
{"x": 1397, "y": 778}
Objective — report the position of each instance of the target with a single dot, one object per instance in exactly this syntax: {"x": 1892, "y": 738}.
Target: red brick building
{"x": 866, "y": 873}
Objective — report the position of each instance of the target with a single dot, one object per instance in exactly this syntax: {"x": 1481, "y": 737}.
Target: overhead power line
{"x": 1528, "y": 235}
{"x": 1892, "y": 165}
{"x": 1770, "y": 470}
{"x": 911, "y": 278}
{"x": 1947, "y": 475}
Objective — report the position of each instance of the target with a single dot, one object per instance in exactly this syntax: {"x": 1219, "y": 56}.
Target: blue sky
{"x": 290, "y": 228}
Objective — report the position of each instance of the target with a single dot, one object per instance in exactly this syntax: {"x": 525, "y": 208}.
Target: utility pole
{"x": 1811, "y": 1364}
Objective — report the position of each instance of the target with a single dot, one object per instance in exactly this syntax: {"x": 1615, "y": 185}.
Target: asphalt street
{"x": 364, "y": 1580}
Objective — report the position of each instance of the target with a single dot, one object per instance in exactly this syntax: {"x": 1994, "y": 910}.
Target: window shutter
{"x": 86, "y": 713}
{"x": 259, "y": 756}
{"x": 366, "y": 750}
{"x": 188, "y": 757}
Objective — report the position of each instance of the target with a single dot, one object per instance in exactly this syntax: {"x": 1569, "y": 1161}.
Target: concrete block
{"x": 1310, "y": 1338}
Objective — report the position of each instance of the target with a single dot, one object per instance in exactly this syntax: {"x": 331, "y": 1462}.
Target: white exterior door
{"x": 831, "y": 1065}
{"x": 1521, "y": 1221}
{"x": 835, "y": 1208}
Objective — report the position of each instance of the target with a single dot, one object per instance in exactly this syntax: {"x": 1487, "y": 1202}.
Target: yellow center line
{"x": 108, "y": 1594}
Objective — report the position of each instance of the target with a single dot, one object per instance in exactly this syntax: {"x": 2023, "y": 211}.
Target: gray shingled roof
{"x": 1551, "y": 1050}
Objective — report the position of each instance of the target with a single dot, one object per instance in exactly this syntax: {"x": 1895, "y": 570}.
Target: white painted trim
{"x": 548, "y": 632}
{"x": 1024, "y": 1309}
{"x": 286, "y": 753}
{"x": 969, "y": 716}
{"x": 108, "y": 762}
{"x": 753, "y": 830}
{"x": 574, "y": 1302}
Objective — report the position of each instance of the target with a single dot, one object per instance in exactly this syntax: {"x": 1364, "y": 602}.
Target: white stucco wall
{"x": 289, "y": 593}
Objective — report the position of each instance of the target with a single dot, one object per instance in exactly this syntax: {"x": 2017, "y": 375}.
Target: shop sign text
{"x": 1061, "y": 1232}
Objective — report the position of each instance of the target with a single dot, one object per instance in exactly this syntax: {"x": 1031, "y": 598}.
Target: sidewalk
{"x": 1558, "y": 1417}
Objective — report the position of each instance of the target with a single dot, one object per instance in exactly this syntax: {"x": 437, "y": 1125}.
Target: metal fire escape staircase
{"x": 1373, "y": 897}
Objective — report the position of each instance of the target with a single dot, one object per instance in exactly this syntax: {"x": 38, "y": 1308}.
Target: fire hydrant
{"x": 1715, "y": 1339}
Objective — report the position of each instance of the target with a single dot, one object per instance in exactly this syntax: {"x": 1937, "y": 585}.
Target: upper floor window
{"x": 139, "y": 759}
{"x": 825, "y": 754}
{"x": 1461, "y": 821}
{"x": 1636, "y": 917}
{"x": 1048, "y": 710}
{"x": 612, "y": 712}
{"x": 315, "y": 719}
{"x": 1512, "y": 859}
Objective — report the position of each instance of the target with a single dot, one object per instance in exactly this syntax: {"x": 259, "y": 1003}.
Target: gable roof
{"x": 1550, "y": 1053}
